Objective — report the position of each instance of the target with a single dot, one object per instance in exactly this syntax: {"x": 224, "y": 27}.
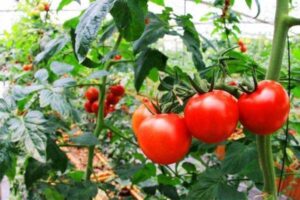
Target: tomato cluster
{"x": 211, "y": 118}
{"x": 242, "y": 46}
{"x": 112, "y": 98}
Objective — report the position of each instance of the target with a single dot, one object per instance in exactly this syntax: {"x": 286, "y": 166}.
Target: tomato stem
{"x": 264, "y": 146}
{"x": 100, "y": 119}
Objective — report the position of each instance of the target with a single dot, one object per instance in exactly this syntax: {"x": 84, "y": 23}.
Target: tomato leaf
{"x": 42, "y": 75}
{"x": 64, "y": 82}
{"x": 191, "y": 40}
{"x": 238, "y": 156}
{"x": 88, "y": 27}
{"x": 212, "y": 184}
{"x": 57, "y": 157}
{"x": 60, "y": 68}
{"x": 108, "y": 31}
{"x": 148, "y": 59}
{"x": 145, "y": 173}
{"x": 249, "y": 3}
{"x": 86, "y": 139}
{"x": 64, "y": 3}
{"x": 56, "y": 100}
{"x": 34, "y": 171}
{"x": 7, "y": 160}
{"x": 53, "y": 47}
{"x": 158, "y": 2}
{"x": 156, "y": 29}
{"x": 30, "y": 129}
{"x": 129, "y": 16}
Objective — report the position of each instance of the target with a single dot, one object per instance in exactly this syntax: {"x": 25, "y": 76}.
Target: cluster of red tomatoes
{"x": 242, "y": 46}
{"x": 116, "y": 92}
{"x": 211, "y": 118}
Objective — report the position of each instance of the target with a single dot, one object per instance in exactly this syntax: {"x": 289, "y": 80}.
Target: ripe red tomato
{"x": 164, "y": 138}
{"x": 141, "y": 114}
{"x": 117, "y": 57}
{"x": 27, "y": 67}
{"x": 212, "y": 117}
{"x": 117, "y": 90}
{"x": 111, "y": 99}
{"x": 92, "y": 94}
{"x": 240, "y": 42}
{"x": 95, "y": 107}
{"x": 243, "y": 48}
{"x": 88, "y": 107}
{"x": 265, "y": 110}
{"x": 46, "y": 7}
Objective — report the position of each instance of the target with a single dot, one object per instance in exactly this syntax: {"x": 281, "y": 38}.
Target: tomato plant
{"x": 73, "y": 89}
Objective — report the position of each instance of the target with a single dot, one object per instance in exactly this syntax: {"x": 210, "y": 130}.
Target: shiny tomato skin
{"x": 164, "y": 138}
{"x": 92, "y": 94}
{"x": 265, "y": 110}
{"x": 117, "y": 90}
{"x": 141, "y": 114}
{"x": 88, "y": 107}
{"x": 111, "y": 99}
{"x": 95, "y": 107}
{"x": 212, "y": 117}
{"x": 243, "y": 48}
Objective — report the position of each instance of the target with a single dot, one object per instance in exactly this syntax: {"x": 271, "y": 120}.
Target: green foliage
{"x": 129, "y": 16}
{"x": 47, "y": 101}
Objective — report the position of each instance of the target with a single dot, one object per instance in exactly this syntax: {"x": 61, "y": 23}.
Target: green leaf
{"x": 86, "y": 139}
{"x": 57, "y": 157}
{"x": 128, "y": 170}
{"x": 158, "y": 2}
{"x": 78, "y": 191}
{"x": 64, "y": 3}
{"x": 156, "y": 29}
{"x": 88, "y": 27}
{"x": 31, "y": 131}
{"x": 167, "y": 180}
{"x": 147, "y": 60}
{"x": 238, "y": 156}
{"x": 145, "y": 173}
{"x": 34, "y": 171}
{"x": 249, "y": 3}
{"x": 191, "y": 40}
{"x": 169, "y": 191}
{"x": 212, "y": 184}
{"x": 98, "y": 74}
{"x": 41, "y": 75}
{"x": 64, "y": 82}
{"x": 129, "y": 16}
{"x": 189, "y": 167}
{"x": 56, "y": 100}
{"x": 7, "y": 160}
{"x": 52, "y": 194}
{"x": 59, "y": 68}
{"x": 53, "y": 47}
{"x": 108, "y": 31}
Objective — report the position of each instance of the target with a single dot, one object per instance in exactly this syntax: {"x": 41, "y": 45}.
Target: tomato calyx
{"x": 250, "y": 88}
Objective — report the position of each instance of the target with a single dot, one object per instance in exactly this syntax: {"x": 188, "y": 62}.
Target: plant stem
{"x": 264, "y": 145}
{"x": 100, "y": 119}
{"x": 119, "y": 133}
